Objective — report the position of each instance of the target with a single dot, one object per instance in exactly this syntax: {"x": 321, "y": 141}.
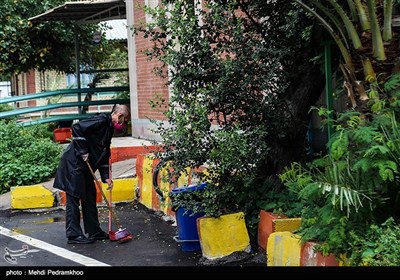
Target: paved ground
{"x": 153, "y": 243}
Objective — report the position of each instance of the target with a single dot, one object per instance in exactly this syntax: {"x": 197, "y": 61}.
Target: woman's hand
{"x": 85, "y": 157}
{"x": 110, "y": 184}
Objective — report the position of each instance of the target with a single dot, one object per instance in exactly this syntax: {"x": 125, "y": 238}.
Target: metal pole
{"x": 329, "y": 95}
{"x": 77, "y": 65}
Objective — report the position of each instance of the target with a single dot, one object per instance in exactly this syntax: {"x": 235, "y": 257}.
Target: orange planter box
{"x": 124, "y": 153}
{"x": 63, "y": 198}
{"x": 266, "y": 226}
{"x": 62, "y": 135}
{"x": 273, "y": 222}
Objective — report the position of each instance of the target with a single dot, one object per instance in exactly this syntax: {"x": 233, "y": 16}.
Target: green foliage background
{"x": 239, "y": 100}
{"x": 28, "y": 155}
{"x": 43, "y": 46}
{"x": 243, "y": 80}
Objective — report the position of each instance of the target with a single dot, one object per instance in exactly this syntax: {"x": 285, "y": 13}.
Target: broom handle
{"x": 103, "y": 194}
{"x": 109, "y": 213}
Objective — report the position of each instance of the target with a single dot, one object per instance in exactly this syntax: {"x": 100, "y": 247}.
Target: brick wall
{"x": 149, "y": 85}
{"x": 30, "y": 82}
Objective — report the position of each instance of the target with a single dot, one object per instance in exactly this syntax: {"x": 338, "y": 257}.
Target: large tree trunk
{"x": 292, "y": 146}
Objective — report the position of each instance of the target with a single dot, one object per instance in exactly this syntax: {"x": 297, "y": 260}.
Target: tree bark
{"x": 292, "y": 146}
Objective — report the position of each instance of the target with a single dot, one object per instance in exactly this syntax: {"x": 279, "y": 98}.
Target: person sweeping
{"x": 91, "y": 141}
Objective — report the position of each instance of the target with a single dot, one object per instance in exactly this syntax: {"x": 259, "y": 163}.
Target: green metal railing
{"x": 64, "y": 92}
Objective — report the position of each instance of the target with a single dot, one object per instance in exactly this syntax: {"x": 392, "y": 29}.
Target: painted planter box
{"x": 283, "y": 249}
{"x": 273, "y": 222}
{"x": 310, "y": 257}
{"x": 62, "y": 135}
{"x": 223, "y": 235}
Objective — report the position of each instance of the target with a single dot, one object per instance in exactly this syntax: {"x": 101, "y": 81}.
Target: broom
{"x": 122, "y": 234}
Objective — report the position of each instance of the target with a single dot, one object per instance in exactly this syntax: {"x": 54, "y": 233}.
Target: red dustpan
{"x": 122, "y": 234}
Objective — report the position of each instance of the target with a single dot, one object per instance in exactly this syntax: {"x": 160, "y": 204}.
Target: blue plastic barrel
{"x": 188, "y": 236}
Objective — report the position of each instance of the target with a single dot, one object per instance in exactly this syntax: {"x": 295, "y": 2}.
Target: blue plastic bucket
{"x": 188, "y": 236}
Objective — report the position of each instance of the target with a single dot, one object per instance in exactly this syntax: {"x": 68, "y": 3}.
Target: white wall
{"x": 5, "y": 89}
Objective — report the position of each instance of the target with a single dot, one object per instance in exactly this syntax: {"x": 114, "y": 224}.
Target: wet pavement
{"x": 42, "y": 234}
{"x": 152, "y": 243}
{"x": 36, "y": 240}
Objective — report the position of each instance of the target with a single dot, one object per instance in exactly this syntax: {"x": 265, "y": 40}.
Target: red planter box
{"x": 62, "y": 135}
{"x": 309, "y": 257}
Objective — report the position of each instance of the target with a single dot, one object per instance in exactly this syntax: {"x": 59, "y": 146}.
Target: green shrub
{"x": 5, "y": 107}
{"x": 29, "y": 156}
{"x": 380, "y": 246}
